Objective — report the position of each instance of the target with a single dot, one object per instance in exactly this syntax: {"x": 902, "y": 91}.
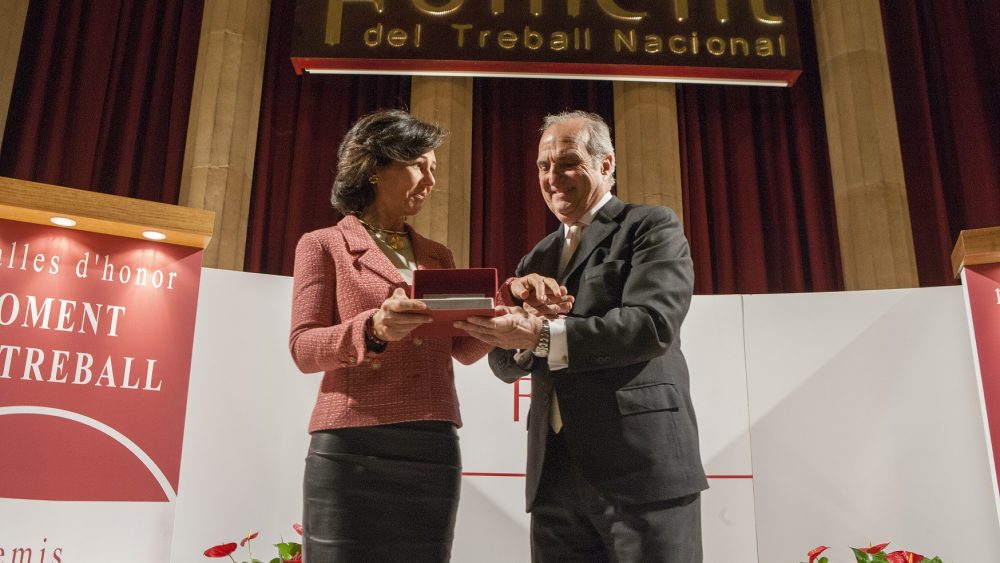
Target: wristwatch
{"x": 544, "y": 339}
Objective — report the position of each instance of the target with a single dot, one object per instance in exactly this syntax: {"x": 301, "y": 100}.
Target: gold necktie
{"x": 572, "y": 241}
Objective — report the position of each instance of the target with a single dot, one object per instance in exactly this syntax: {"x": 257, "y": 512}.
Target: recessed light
{"x": 63, "y": 221}
{"x": 154, "y": 235}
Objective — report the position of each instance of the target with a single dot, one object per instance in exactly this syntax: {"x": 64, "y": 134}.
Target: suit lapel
{"x": 603, "y": 226}
{"x": 366, "y": 252}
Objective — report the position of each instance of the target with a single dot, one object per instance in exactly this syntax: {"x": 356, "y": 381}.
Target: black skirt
{"x": 381, "y": 494}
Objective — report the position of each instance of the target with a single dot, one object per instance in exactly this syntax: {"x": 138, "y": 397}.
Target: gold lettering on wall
{"x": 448, "y": 8}
{"x": 625, "y": 40}
{"x": 760, "y": 12}
{"x": 722, "y": 10}
{"x": 738, "y": 45}
{"x": 394, "y": 37}
{"x": 461, "y": 28}
{"x": 612, "y": 9}
{"x": 507, "y": 39}
{"x": 681, "y": 12}
{"x": 745, "y": 37}
{"x": 677, "y": 45}
{"x": 532, "y": 39}
{"x": 716, "y": 46}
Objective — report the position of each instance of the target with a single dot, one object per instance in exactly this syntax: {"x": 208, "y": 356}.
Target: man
{"x": 614, "y": 471}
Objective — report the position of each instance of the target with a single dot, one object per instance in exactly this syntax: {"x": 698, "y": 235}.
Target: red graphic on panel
{"x": 96, "y": 335}
{"x": 982, "y": 286}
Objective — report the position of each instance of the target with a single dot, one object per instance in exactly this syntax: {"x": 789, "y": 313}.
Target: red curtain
{"x": 508, "y": 213}
{"x": 944, "y": 60}
{"x": 102, "y": 95}
{"x": 758, "y": 196}
{"x": 302, "y": 121}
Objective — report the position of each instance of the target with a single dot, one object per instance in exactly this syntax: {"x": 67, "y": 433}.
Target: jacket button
{"x": 376, "y": 364}
{"x": 418, "y": 341}
{"x": 352, "y": 360}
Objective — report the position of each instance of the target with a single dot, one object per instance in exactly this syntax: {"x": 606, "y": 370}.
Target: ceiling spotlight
{"x": 63, "y": 221}
{"x": 154, "y": 235}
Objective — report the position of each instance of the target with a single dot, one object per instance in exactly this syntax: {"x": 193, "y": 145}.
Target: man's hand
{"x": 398, "y": 316}
{"x": 542, "y": 296}
{"x": 514, "y": 329}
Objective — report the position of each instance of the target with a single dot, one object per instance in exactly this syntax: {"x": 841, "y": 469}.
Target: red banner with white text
{"x": 96, "y": 333}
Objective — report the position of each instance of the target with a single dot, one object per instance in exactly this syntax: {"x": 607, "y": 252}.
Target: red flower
{"x": 816, "y": 551}
{"x": 297, "y": 528}
{"x": 250, "y": 536}
{"x": 296, "y": 559}
{"x": 904, "y": 557}
{"x": 222, "y": 550}
{"x": 873, "y": 549}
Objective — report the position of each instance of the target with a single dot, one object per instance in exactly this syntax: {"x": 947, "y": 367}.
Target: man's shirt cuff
{"x": 558, "y": 347}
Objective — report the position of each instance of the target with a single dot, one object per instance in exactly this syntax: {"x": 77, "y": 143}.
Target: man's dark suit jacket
{"x": 624, "y": 399}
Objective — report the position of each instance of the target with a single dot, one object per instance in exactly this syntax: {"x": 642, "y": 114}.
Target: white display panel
{"x": 858, "y": 422}
{"x": 245, "y": 439}
{"x": 712, "y": 340}
{"x": 865, "y": 425}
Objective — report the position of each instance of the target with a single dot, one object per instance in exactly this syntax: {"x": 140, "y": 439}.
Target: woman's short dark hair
{"x": 375, "y": 140}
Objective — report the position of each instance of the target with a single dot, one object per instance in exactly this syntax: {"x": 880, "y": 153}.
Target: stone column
{"x": 873, "y": 219}
{"x": 222, "y": 131}
{"x": 446, "y": 215}
{"x": 11, "y": 29}
{"x": 647, "y": 146}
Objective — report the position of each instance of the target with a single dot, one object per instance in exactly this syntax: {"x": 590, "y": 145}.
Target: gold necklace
{"x": 393, "y": 238}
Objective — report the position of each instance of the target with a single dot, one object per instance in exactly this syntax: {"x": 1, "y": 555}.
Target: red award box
{"x": 452, "y": 295}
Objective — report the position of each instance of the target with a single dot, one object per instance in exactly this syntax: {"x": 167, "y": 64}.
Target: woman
{"x": 383, "y": 470}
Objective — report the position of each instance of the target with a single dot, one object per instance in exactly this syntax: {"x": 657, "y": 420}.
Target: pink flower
{"x": 904, "y": 557}
{"x": 297, "y": 528}
{"x": 222, "y": 550}
{"x": 816, "y": 551}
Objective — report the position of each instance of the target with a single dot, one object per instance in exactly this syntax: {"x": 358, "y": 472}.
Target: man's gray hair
{"x": 599, "y": 143}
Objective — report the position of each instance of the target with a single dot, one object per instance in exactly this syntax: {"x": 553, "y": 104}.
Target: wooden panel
{"x": 11, "y": 31}
{"x": 446, "y": 215}
{"x": 873, "y": 219}
{"x": 976, "y": 246}
{"x": 33, "y": 202}
{"x": 222, "y": 130}
{"x": 647, "y": 147}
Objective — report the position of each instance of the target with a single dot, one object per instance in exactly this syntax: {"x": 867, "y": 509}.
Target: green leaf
{"x": 863, "y": 557}
{"x": 287, "y": 550}
{"x": 276, "y": 560}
